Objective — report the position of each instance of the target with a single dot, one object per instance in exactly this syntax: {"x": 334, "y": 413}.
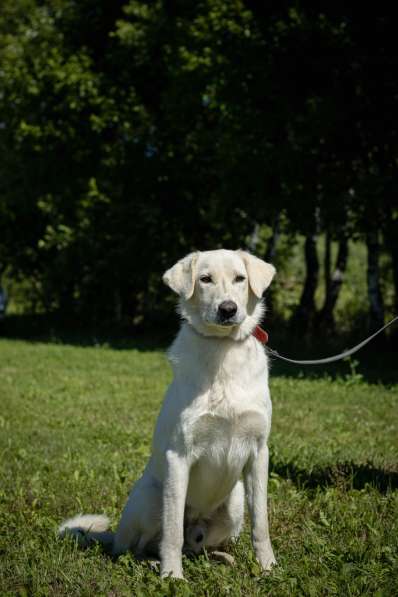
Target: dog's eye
{"x": 239, "y": 278}
{"x": 206, "y": 279}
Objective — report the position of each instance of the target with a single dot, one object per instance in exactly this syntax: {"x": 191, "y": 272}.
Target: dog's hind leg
{"x": 140, "y": 521}
{"x": 227, "y": 521}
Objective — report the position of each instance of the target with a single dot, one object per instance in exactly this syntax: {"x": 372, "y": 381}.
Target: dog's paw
{"x": 171, "y": 571}
{"x": 224, "y": 558}
{"x": 153, "y": 564}
{"x": 174, "y": 574}
{"x": 265, "y": 557}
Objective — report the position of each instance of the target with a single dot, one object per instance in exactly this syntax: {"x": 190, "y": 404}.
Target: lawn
{"x": 75, "y": 432}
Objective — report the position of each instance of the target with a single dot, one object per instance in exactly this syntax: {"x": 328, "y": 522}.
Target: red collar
{"x": 260, "y": 334}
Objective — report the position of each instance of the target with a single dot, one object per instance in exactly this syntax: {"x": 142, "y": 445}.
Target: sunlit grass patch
{"x": 75, "y": 432}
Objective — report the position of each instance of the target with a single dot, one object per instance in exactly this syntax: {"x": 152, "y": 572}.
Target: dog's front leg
{"x": 256, "y": 481}
{"x": 174, "y": 497}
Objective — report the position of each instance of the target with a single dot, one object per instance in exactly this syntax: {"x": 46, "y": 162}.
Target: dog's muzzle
{"x": 226, "y": 312}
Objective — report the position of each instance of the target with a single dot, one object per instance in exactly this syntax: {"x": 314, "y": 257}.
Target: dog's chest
{"x": 220, "y": 429}
{"x": 230, "y": 403}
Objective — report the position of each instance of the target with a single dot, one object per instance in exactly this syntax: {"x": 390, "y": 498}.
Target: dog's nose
{"x": 227, "y": 309}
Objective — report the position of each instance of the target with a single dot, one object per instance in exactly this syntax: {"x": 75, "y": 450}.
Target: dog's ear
{"x": 259, "y": 272}
{"x": 181, "y": 277}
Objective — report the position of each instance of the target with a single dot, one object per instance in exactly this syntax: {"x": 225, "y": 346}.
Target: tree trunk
{"x": 306, "y": 311}
{"x": 66, "y": 302}
{"x": 273, "y": 241}
{"x": 333, "y": 283}
{"x": 328, "y": 262}
{"x": 253, "y": 240}
{"x": 394, "y": 259}
{"x": 270, "y": 254}
{"x": 117, "y": 305}
{"x": 391, "y": 241}
{"x": 376, "y": 306}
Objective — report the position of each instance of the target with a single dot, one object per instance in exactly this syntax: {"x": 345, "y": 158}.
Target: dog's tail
{"x": 88, "y": 529}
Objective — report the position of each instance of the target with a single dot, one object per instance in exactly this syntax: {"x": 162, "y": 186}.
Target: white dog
{"x": 214, "y": 424}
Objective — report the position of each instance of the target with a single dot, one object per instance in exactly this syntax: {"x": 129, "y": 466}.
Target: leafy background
{"x": 133, "y": 132}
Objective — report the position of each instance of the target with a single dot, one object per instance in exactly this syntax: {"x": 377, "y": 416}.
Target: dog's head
{"x": 220, "y": 291}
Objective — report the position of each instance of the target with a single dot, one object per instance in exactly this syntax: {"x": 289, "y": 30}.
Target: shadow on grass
{"x": 379, "y": 368}
{"x": 349, "y": 475}
{"x": 374, "y": 363}
{"x": 377, "y": 362}
{"x": 52, "y": 330}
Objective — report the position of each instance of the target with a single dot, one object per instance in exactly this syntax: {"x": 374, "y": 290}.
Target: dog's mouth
{"x": 222, "y": 323}
{"x": 226, "y": 323}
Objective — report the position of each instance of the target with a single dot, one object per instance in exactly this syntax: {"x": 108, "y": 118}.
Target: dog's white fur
{"x": 213, "y": 427}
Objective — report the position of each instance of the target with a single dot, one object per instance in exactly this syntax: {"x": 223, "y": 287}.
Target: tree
{"x": 175, "y": 126}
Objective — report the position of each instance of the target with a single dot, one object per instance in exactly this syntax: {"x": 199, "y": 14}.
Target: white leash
{"x": 336, "y": 357}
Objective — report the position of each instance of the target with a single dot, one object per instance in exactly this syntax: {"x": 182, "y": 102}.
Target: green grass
{"x": 75, "y": 432}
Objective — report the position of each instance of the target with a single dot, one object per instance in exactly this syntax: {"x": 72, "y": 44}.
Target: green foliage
{"x": 75, "y": 432}
{"x": 134, "y": 132}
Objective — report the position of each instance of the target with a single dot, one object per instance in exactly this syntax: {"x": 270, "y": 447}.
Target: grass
{"x": 75, "y": 432}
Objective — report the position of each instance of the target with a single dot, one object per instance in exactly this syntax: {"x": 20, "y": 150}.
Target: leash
{"x": 262, "y": 336}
